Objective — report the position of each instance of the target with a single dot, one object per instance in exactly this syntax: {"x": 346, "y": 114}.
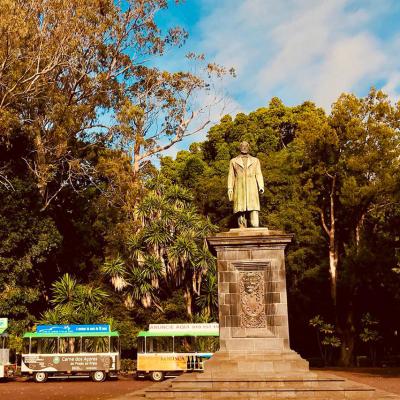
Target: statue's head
{"x": 244, "y": 147}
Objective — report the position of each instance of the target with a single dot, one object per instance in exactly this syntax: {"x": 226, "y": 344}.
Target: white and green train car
{"x": 71, "y": 350}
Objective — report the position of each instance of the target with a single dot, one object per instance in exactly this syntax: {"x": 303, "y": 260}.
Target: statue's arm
{"x": 231, "y": 181}
{"x": 259, "y": 177}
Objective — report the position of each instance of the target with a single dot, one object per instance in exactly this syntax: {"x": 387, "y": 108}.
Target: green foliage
{"x": 128, "y": 365}
{"x": 27, "y": 242}
{"x": 326, "y": 338}
{"x": 15, "y": 343}
{"x": 73, "y": 206}
{"x": 165, "y": 252}
{"x": 75, "y": 303}
{"x": 208, "y": 299}
{"x": 369, "y": 334}
{"x": 331, "y": 341}
{"x": 128, "y": 333}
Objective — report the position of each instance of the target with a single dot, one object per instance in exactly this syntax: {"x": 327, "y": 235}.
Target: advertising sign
{"x": 66, "y": 363}
{"x": 3, "y": 324}
{"x": 164, "y": 362}
{"x": 98, "y": 328}
{"x": 209, "y": 327}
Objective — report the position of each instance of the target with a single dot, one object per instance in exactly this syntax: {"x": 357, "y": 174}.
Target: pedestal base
{"x": 261, "y": 364}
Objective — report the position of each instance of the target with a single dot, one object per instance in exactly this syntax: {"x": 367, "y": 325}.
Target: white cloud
{"x": 299, "y": 50}
{"x": 349, "y": 60}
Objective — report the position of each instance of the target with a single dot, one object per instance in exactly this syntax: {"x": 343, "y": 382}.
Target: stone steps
{"x": 327, "y": 388}
{"x": 322, "y": 386}
{"x": 276, "y": 393}
{"x": 257, "y": 384}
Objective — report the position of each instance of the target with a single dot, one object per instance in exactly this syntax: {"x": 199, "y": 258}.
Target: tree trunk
{"x": 137, "y": 147}
{"x": 333, "y": 263}
{"x": 40, "y": 167}
{"x": 347, "y": 333}
{"x": 188, "y": 299}
{"x": 135, "y": 165}
{"x": 321, "y": 351}
{"x": 333, "y": 247}
{"x": 359, "y": 226}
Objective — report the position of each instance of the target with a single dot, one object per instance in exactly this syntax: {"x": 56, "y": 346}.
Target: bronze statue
{"x": 245, "y": 181}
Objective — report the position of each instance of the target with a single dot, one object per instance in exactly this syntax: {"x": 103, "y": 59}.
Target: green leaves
{"x": 64, "y": 290}
{"x": 327, "y": 330}
{"x": 28, "y": 241}
{"x": 166, "y": 252}
{"x": 113, "y": 267}
{"x": 208, "y": 299}
{"x": 75, "y": 303}
{"x": 331, "y": 341}
{"x": 326, "y": 338}
{"x": 369, "y": 334}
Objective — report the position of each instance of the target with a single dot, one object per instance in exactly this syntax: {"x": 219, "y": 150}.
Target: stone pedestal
{"x": 253, "y": 315}
{"x": 255, "y": 359}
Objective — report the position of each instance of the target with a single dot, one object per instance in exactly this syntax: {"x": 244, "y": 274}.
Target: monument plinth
{"x": 253, "y": 315}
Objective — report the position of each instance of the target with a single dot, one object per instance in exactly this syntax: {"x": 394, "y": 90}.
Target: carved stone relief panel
{"x": 251, "y": 297}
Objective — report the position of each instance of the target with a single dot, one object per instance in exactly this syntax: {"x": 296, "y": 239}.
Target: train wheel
{"x": 40, "y": 377}
{"x": 98, "y": 376}
{"x": 156, "y": 376}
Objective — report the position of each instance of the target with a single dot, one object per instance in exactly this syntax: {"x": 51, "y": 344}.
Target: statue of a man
{"x": 245, "y": 181}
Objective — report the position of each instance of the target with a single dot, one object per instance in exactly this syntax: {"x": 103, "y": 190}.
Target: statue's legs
{"x": 242, "y": 221}
{"x": 254, "y": 220}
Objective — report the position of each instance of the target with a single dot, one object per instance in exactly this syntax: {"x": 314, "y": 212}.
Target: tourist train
{"x": 165, "y": 350}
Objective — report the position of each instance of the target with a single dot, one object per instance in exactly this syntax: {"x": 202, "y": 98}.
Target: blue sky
{"x": 294, "y": 49}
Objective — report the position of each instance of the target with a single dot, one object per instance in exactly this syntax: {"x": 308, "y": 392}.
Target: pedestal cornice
{"x": 250, "y": 237}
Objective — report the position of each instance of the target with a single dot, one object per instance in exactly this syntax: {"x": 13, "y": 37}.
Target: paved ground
{"x": 71, "y": 389}
{"x": 387, "y": 379}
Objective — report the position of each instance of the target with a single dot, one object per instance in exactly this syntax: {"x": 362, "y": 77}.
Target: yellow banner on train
{"x": 162, "y": 362}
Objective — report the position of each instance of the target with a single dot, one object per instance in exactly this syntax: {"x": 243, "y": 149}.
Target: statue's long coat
{"x": 245, "y": 183}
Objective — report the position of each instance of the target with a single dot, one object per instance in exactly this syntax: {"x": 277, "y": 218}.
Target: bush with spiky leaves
{"x": 75, "y": 303}
{"x": 167, "y": 252}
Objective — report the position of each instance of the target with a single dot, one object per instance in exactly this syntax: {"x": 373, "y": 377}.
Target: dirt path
{"x": 71, "y": 389}
{"x": 387, "y": 379}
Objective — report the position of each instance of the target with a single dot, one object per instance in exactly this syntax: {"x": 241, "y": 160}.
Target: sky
{"x": 296, "y": 50}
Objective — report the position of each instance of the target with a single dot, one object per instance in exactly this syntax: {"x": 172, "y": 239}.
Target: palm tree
{"x": 180, "y": 196}
{"x": 115, "y": 270}
{"x": 140, "y": 287}
{"x": 74, "y": 302}
{"x": 166, "y": 251}
{"x": 208, "y": 299}
{"x": 204, "y": 263}
{"x": 53, "y": 316}
{"x": 156, "y": 234}
{"x": 88, "y": 296}
{"x": 64, "y": 290}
